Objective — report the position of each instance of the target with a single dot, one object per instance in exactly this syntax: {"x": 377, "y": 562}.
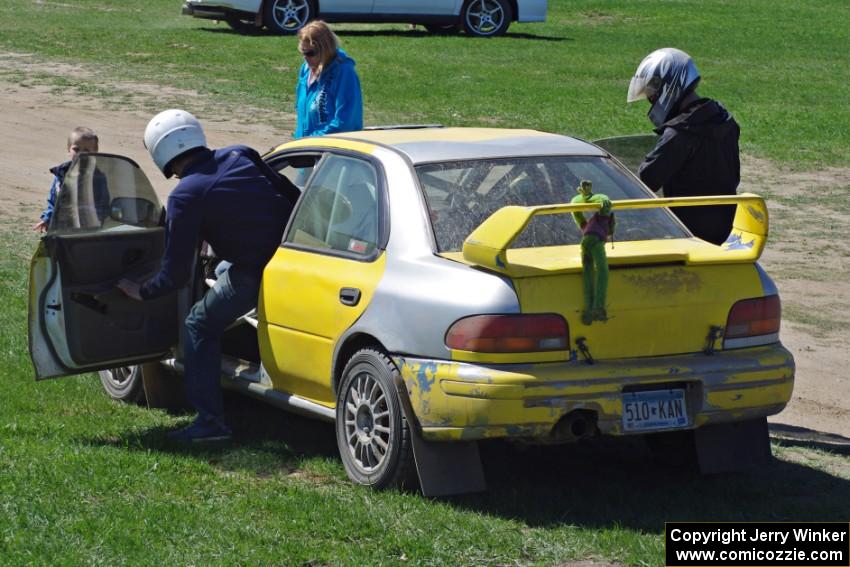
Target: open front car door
{"x": 106, "y": 226}
{"x": 630, "y": 150}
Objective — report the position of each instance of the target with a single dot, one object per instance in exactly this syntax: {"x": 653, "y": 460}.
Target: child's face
{"x": 79, "y": 145}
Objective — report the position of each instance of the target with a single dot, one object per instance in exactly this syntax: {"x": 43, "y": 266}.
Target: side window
{"x": 104, "y": 192}
{"x": 339, "y": 210}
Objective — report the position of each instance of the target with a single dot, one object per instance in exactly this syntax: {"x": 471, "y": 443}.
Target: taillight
{"x": 537, "y": 332}
{"x": 753, "y": 322}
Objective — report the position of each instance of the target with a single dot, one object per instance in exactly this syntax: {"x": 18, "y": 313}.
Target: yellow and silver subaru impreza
{"x": 428, "y": 294}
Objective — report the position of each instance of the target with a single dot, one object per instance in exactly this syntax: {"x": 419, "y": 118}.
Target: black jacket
{"x": 225, "y": 199}
{"x": 697, "y": 154}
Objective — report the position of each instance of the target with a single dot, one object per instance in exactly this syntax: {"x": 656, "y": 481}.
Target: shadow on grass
{"x": 409, "y": 33}
{"x": 615, "y": 481}
{"x": 602, "y": 483}
{"x": 275, "y": 439}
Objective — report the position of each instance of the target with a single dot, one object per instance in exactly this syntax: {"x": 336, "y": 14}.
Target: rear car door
{"x": 324, "y": 275}
{"x": 106, "y": 226}
{"x": 435, "y": 7}
{"x": 346, "y": 6}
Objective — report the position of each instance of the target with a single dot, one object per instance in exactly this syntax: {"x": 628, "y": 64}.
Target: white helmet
{"x": 664, "y": 77}
{"x": 172, "y": 133}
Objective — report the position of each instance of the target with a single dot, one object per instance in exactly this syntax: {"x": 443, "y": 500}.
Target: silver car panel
{"x": 433, "y": 7}
{"x": 532, "y": 10}
{"x": 524, "y": 143}
{"x": 422, "y": 294}
{"x": 345, "y": 6}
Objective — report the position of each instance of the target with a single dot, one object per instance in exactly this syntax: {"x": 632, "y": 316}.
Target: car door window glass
{"x": 105, "y": 192}
{"x": 296, "y": 168}
{"x": 339, "y": 210}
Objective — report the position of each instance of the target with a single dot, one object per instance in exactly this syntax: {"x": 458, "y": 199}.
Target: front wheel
{"x": 486, "y": 18}
{"x": 371, "y": 430}
{"x": 124, "y": 384}
{"x": 287, "y": 16}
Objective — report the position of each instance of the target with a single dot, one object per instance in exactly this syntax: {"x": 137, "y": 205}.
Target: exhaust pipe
{"x": 576, "y": 425}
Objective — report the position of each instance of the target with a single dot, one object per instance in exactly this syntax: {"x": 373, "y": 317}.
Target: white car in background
{"x": 482, "y": 18}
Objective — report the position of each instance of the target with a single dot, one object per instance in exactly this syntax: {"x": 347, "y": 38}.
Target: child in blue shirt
{"x": 81, "y": 139}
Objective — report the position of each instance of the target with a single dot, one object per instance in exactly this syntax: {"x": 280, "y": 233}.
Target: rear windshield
{"x": 462, "y": 194}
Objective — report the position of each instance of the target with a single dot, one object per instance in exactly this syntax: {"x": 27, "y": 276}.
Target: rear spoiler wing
{"x": 488, "y": 244}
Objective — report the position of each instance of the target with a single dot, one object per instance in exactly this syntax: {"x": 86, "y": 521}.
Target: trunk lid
{"x": 665, "y": 297}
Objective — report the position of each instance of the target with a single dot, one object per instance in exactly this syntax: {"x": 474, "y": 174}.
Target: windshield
{"x": 462, "y": 194}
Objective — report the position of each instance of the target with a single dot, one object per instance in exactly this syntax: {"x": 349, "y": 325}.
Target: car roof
{"x": 424, "y": 145}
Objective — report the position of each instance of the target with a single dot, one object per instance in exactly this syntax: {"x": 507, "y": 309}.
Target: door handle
{"x": 349, "y": 296}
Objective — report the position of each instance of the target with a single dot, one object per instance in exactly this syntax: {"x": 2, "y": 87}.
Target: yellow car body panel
{"x": 330, "y": 143}
{"x": 456, "y": 401}
{"x": 301, "y": 317}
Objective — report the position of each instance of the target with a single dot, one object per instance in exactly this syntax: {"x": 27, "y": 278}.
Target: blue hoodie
{"x": 333, "y": 103}
{"x": 58, "y": 176}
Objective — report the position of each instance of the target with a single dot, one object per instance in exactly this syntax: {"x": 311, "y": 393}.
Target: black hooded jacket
{"x": 697, "y": 154}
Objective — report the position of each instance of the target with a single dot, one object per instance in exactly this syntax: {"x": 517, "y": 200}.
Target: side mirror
{"x": 133, "y": 210}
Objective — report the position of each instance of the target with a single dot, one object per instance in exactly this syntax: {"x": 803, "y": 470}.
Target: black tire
{"x": 372, "y": 432}
{"x": 124, "y": 384}
{"x": 287, "y": 16}
{"x": 240, "y": 26}
{"x": 442, "y": 29}
{"x": 486, "y": 18}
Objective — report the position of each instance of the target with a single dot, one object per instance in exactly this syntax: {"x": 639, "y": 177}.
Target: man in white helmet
{"x": 231, "y": 199}
{"x": 697, "y": 153}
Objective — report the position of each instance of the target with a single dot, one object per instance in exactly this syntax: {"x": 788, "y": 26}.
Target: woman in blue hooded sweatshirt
{"x": 327, "y": 97}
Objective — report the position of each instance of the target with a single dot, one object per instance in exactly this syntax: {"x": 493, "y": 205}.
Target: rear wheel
{"x": 486, "y": 18}
{"x": 287, "y": 16}
{"x": 124, "y": 384}
{"x": 371, "y": 430}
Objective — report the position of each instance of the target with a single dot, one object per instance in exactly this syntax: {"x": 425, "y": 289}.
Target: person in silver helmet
{"x": 697, "y": 152}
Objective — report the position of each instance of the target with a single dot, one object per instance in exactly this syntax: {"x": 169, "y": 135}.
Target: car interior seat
{"x": 355, "y": 224}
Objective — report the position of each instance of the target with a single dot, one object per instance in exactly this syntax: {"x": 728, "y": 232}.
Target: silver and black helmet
{"x": 664, "y": 77}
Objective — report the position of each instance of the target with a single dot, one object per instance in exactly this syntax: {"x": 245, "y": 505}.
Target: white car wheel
{"x": 287, "y": 16}
{"x": 486, "y": 18}
{"x": 123, "y": 384}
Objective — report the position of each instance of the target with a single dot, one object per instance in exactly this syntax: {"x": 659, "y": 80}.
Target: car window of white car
{"x": 339, "y": 210}
{"x": 104, "y": 192}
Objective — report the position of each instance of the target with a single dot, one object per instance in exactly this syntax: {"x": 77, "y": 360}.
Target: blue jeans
{"x": 233, "y": 295}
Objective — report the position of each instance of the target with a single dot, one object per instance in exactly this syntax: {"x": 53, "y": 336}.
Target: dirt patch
{"x": 808, "y": 253}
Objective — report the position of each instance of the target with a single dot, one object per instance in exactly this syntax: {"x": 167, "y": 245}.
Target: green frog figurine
{"x": 594, "y": 262}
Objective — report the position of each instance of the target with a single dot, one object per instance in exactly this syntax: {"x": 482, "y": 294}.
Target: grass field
{"x": 86, "y": 481}
{"x": 781, "y": 66}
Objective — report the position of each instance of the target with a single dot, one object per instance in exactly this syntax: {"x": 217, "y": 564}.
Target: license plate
{"x": 654, "y": 409}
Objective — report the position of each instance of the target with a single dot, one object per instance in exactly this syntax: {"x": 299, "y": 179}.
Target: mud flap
{"x": 443, "y": 468}
{"x": 447, "y": 468}
{"x": 729, "y": 447}
{"x": 162, "y": 389}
